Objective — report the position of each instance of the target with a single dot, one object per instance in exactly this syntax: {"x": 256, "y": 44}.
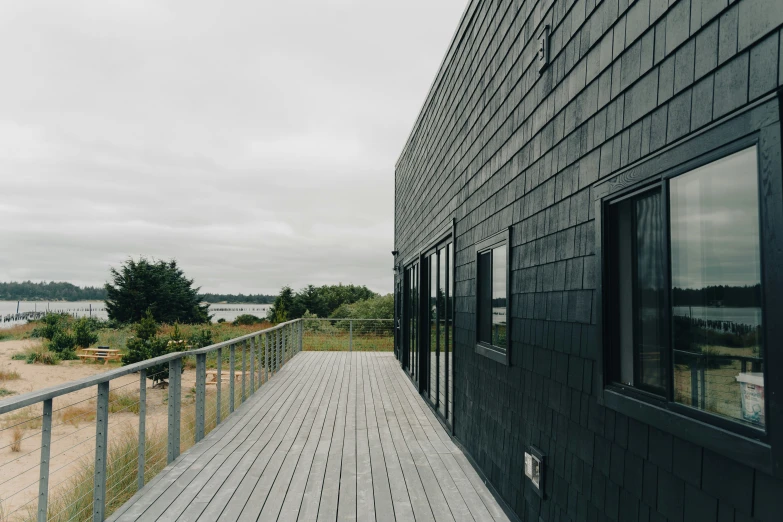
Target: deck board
{"x": 333, "y": 436}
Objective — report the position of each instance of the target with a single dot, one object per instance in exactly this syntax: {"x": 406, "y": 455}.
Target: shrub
{"x": 9, "y": 375}
{"x": 51, "y": 324}
{"x": 221, "y": 320}
{"x": 247, "y": 320}
{"x": 16, "y": 442}
{"x": 5, "y": 391}
{"x": 42, "y": 357}
{"x": 200, "y": 339}
{"x": 63, "y": 344}
{"x": 84, "y": 333}
{"x": 19, "y": 357}
{"x": 147, "y": 345}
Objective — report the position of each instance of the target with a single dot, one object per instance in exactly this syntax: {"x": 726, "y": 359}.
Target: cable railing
{"x": 85, "y": 466}
{"x": 368, "y": 335}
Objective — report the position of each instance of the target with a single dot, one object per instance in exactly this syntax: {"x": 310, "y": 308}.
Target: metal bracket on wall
{"x": 542, "y": 56}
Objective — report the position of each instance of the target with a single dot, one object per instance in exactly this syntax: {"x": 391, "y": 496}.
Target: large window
{"x": 492, "y": 303}
{"x": 683, "y": 296}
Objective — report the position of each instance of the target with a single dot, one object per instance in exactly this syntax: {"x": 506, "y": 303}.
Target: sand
{"x": 73, "y": 440}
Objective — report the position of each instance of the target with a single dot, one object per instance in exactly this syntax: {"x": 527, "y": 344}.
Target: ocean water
{"x": 750, "y": 316}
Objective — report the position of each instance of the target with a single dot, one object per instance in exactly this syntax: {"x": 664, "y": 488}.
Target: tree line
{"x": 51, "y": 291}
{"x": 61, "y": 291}
{"x": 719, "y": 295}
{"x": 327, "y": 301}
{"x": 238, "y": 298}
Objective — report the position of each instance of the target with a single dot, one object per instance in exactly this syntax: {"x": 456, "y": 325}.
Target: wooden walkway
{"x": 333, "y": 436}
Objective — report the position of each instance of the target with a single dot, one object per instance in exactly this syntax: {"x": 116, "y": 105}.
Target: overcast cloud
{"x": 254, "y": 141}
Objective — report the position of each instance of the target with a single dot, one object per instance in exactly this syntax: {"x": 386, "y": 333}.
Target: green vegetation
{"x": 321, "y": 301}
{"x": 84, "y": 332}
{"x": 157, "y": 287}
{"x": 379, "y": 307}
{"x": 29, "y": 291}
{"x": 247, "y": 319}
{"x": 146, "y": 344}
{"x": 5, "y": 392}
{"x": 63, "y": 334}
{"x": 42, "y": 357}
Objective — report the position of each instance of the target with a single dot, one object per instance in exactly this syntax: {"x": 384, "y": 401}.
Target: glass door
{"x": 410, "y": 320}
{"x": 438, "y": 316}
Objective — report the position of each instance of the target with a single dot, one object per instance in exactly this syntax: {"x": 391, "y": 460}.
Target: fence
{"x": 81, "y": 475}
{"x": 369, "y": 335}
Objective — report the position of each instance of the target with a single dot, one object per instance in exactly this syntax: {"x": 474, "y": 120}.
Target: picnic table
{"x": 102, "y": 353}
{"x": 212, "y": 376}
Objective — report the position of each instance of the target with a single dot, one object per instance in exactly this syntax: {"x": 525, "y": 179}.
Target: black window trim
{"x": 490, "y": 351}
{"x": 759, "y": 125}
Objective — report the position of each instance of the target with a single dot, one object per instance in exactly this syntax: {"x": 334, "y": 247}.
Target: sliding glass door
{"x": 410, "y": 314}
{"x": 439, "y": 319}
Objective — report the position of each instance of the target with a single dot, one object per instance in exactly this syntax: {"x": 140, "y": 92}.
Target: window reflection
{"x": 499, "y": 297}
{"x": 716, "y": 289}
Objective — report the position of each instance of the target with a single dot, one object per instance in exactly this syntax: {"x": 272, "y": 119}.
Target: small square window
{"x": 492, "y": 310}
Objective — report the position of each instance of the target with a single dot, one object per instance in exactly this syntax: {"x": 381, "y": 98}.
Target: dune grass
{"x": 72, "y": 500}
{"x": 9, "y": 375}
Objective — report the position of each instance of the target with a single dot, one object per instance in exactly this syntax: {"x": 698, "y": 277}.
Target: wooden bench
{"x": 102, "y": 353}
{"x": 212, "y": 376}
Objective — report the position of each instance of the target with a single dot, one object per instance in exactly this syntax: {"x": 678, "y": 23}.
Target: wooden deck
{"x": 333, "y": 436}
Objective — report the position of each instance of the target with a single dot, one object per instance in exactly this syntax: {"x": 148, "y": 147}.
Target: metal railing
{"x": 707, "y": 381}
{"x": 122, "y": 465}
{"x": 348, "y": 334}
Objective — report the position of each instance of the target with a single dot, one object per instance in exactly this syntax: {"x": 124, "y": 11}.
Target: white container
{"x": 752, "y": 392}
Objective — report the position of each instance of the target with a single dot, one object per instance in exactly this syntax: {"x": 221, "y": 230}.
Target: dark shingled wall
{"x": 499, "y": 144}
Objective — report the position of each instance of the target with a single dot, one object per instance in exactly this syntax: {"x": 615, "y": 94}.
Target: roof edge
{"x": 459, "y": 33}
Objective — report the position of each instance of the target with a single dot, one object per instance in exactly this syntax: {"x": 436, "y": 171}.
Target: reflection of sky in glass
{"x": 499, "y": 284}
{"x": 714, "y": 224}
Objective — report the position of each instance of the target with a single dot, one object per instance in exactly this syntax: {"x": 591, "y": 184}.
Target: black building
{"x": 589, "y": 242}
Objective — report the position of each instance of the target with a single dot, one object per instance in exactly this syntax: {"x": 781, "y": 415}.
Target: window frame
{"x": 496, "y": 353}
{"x": 759, "y": 125}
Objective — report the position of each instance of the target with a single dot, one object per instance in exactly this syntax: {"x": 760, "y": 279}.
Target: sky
{"x": 715, "y": 224}
{"x": 252, "y": 141}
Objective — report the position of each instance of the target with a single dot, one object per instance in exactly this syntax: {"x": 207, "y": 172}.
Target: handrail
{"x": 33, "y": 397}
{"x": 269, "y": 349}
{"x": 250, "y": 362}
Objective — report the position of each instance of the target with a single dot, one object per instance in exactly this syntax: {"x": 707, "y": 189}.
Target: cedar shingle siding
{"x": 499, "y": 144}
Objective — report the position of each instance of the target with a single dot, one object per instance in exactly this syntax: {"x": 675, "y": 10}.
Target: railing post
{"x": 142, "y": 428}
{"x": 694, "y": 385}
{"x": 201, "y": 384}
{"x": 46, "y": 442}
{"x": 101, "y": 441}
{"x": 244, "y": 371}
{"x": 231, "y": 377}
{"x": 277, "y": 350}
{"x": 218, "y": 398}
{"x": 301, "y": 333}
{"x": 284, "y": 332}
{"x": 175, "y": 401}
{"x": 350, "y": 336}
{"x": 252, "y": 343}
{"x": 266, "y": 357}
{"x": 260, "y": 362}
